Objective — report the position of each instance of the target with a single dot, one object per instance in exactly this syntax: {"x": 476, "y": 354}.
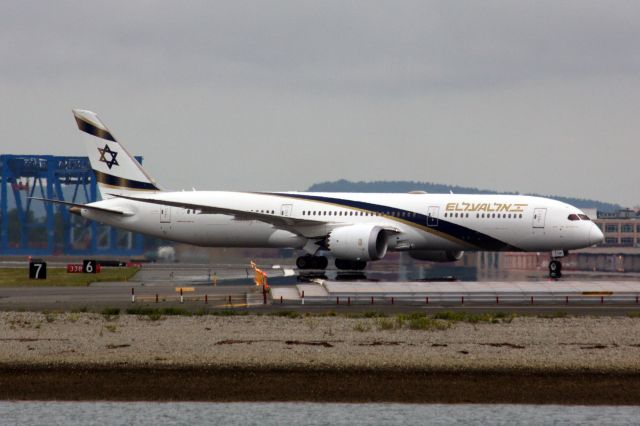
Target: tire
{"x": 343, "y": 264}
{"x": 303, "y": 262}
{"x": 322, "y": 262}
{"x": 350, "y": 265}
{"x": 359, "y": 265}
{"x": 555, "y": 269}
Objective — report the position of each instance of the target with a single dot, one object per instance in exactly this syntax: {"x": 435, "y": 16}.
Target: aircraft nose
{"x": 595, "y": 235}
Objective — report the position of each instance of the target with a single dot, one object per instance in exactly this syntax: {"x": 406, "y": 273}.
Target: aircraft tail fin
{"x": 116, "y": 170}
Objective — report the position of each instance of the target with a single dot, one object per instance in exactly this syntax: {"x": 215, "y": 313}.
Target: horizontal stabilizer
{"x": 82, "y": 206}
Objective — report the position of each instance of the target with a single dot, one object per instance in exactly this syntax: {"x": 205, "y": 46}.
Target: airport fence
{"x": 231, "y": 300}
{"x": 585, "y": 298}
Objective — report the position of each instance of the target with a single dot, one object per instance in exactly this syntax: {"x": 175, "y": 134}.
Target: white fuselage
{"x": 419, "y": 221}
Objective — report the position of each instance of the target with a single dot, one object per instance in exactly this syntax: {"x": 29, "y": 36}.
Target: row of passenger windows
{"x": 486, "y": 215}
{"x": 403, "y": 214}
{"x": 356, "y": 213}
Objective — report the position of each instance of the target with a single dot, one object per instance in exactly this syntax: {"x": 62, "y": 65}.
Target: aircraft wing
{"x": 283, "y": 222}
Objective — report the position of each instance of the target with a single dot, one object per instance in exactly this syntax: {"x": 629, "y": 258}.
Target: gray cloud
{"x": 512, "y": 95}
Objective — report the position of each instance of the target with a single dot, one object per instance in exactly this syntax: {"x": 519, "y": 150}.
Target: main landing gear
{"x": 351, "y": 265}
{"x": 321, "y": 262}
{"x": 312, "y": 262}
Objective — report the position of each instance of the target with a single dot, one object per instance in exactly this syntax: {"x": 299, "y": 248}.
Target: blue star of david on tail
{"x": 111, "y": 162}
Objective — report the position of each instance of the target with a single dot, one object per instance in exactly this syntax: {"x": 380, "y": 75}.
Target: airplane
{"x": 353, "y": 228}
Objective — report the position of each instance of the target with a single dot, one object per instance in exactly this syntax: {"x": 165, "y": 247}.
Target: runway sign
{"x": 38, "y": 270}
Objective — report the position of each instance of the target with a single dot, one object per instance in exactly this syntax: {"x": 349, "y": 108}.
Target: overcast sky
{"x": 539, "y": 96}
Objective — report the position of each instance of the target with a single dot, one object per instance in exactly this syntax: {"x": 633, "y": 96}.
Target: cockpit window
{"x": 584, "y": 217}
{"x": 573, "y": 217}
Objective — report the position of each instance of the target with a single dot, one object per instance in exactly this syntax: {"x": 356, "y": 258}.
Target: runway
{"x": 208, "y": 287}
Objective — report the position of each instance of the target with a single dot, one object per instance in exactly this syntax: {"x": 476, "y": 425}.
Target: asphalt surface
{"x": 209, "y": 287}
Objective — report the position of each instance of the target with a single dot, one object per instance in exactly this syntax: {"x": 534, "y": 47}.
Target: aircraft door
{"x": 432, "y": 216}
{"x": 165, "y": 214}
{"x": 285, "y": 210}
{"x": 539, "y": 216}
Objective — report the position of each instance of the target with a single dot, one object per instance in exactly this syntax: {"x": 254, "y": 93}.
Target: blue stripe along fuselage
{"x": 464, "y": 235}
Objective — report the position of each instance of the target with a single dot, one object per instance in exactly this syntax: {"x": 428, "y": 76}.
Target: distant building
{"x": 620, "y": 229}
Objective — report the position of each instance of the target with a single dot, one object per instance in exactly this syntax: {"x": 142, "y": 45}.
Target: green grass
{"x": 385, "y": 324}
{"x": 287, "y": 314}
{"x": 366, "y": 314}
{"x": 227, "y": 313}
{"x": 494, "y": 318}
{"x": 111, "y": 311}
{"x": 19, "y": 277}
{"x": 558, "y": 314}
{"x": 361, "y": 326}
{"x": 153, "y": 312}
{"x": 411, "y": 321}
{"x": 110, "y": 314}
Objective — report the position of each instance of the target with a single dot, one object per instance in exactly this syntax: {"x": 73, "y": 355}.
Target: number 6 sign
{"x": 89, "y": 266}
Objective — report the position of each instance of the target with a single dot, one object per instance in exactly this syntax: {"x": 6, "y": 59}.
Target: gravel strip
{"x": 593, "y": 344}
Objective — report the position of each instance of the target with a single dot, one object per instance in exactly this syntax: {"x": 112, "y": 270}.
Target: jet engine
{"x": 360, "y": 242}
{"x": 437, "y": 255}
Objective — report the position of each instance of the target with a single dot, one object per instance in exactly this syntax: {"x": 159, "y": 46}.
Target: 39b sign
{"x": 38, "y": 270}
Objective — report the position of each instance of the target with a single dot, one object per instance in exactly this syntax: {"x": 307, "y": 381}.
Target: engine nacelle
{"x": 437, "y": 255}
{"x": 358, "y": 242}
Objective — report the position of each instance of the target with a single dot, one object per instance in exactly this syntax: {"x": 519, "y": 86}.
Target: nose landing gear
{"x": 555, "y": 269}
{"x": 555, "y": 265}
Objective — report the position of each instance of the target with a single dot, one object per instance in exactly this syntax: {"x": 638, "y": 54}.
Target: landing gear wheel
{"x": 312, "y": 262}
{"x": 303, "y": 262}
{"x": 323, "y": 262}
{"x": 555, "y": 269}
{"x": 351, "y": 265}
